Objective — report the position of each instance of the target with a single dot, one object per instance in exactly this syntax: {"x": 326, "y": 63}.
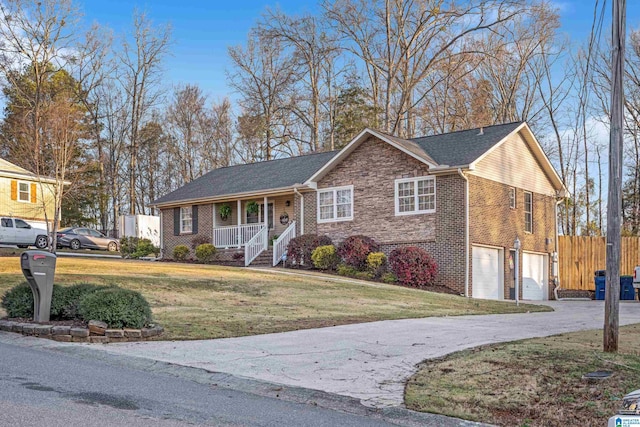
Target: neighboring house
{"x": 463, "y": 196}
{"x": 25, "y": 195}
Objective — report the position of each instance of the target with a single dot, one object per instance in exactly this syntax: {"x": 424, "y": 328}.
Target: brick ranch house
{"x": 462, "y": 196}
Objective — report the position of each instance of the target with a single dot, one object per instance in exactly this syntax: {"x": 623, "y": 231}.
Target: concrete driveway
{"x": 368, "y": 361}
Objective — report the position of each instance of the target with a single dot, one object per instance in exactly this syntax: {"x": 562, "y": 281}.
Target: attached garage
{"x": 487, "y": 273}
{"x": 534, "y": 276}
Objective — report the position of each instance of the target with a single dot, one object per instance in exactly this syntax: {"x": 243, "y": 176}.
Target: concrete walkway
{"x": 368, "y": 361}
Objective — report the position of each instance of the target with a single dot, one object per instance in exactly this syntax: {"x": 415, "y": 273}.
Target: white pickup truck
{"x": 14, "y": 231}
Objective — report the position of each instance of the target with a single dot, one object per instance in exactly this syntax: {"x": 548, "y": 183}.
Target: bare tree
{"x": 140, "y": 75}
{"x": 263, "y": 76}
{"x": 315, "y": 50}
{"x": 37, "y": 41}
{"x": 401, "y": 42}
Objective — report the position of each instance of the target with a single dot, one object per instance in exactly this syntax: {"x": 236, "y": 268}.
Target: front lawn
{"x": 202, "y": 301}
{"x": 536, "y": 382}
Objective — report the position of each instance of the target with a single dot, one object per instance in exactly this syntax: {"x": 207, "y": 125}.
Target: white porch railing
{"x": 234, "y": 236}
{"x": 256, "y": 245}
{"x": 281, "y": 243}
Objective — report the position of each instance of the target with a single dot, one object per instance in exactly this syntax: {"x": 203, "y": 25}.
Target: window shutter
{"x": 176, "y": 221}
{"x": 194, "y": 216}
{"x": 14, "y": 189}
{"x": 34, "y": 197}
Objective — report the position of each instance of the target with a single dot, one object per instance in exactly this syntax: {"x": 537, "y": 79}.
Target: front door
{"x": 258, "y": 217}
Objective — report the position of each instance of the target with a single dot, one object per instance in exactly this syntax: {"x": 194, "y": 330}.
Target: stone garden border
{"x": 96, "y": 332}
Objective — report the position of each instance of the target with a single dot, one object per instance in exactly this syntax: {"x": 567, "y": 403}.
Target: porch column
{"x": 266, "y": 222}
{"x": 213, "y": 231}
{"x": 239, "y": 221}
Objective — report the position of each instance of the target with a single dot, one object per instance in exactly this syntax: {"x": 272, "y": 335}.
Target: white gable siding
{"x": 513, "y": 163}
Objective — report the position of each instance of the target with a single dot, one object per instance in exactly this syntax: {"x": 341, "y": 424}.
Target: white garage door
{"x": 486, "y": 273}
{"x": 533, "y": 276}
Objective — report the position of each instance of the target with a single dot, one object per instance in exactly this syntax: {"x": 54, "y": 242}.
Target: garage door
{"x": 533, "y": 276}
{"x": 486, "y": 273}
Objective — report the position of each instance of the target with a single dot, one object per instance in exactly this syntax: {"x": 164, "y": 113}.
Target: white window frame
{"x": 530, "y": 212}
{"x": 184, "y": 221}
{"x": 512, "y": 198}
{"x": 416, "y": 202}
{"x": 28, "y": 184}
{"x": 334, "y": 190}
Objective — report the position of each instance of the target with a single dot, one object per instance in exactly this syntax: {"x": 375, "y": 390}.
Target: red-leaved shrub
{"x": 413, "y": 266}
{"x": 355, "y": 249}
{"x": 300, "y": 248}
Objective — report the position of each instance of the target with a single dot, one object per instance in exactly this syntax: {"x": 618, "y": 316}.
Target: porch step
{"x": 264, "y": 259}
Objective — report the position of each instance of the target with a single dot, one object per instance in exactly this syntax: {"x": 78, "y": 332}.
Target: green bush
{"x": 347, "y": 270}
{"x": 134, "y": 247}
{"x": 117, "y": 307}
{"x": 376, "y": 263}
{"x": 18, "y": 301}
{"x": 325, "y": 257}
{"x": 65, "y": 299}
{"x": 364, "y": 275}
{"x": 180, "y": 252}
{"x": 205, "y": 252}
{"x": 389, "y": 278}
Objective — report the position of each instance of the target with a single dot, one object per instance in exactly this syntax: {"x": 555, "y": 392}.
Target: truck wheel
{"x": 42, "y": 242}
{"x": 112, "y": 247}
{"x": 75, "y": 244}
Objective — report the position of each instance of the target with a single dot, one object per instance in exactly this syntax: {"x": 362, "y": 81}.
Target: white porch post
{"x": 266, "y": 222}
{"x": 239, "y": 223}
{"x": 213, "y": 231}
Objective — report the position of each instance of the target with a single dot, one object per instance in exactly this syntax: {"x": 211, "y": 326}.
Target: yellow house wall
{"x": 26, "y": 210}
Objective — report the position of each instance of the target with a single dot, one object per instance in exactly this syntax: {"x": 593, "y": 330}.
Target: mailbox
{"x": 39, "y": 268}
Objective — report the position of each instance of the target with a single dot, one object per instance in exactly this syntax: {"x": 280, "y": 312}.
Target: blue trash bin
{"x": 627, "y": 291}
{"x": 600, "y": 281}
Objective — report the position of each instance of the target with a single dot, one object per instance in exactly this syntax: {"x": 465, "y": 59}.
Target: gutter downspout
{"x": 295, "y": 190}
{"x": 466, "y": 232}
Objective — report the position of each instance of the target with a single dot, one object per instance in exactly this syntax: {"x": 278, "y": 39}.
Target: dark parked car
{"x": 78, "y": 237}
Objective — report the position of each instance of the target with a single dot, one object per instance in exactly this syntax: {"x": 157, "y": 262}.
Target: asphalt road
{"x": 41, "y": 386}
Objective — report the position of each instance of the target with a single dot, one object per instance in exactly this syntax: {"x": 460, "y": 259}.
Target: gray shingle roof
{"x": 452, "y": 149}
{"x": 250, "y": 177}
{"x": 463, "y": 147}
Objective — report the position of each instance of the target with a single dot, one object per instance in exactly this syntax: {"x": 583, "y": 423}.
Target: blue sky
{"x": 203, "y": 30}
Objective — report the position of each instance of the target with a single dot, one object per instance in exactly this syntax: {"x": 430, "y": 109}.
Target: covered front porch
{"x": 254, "y": 224}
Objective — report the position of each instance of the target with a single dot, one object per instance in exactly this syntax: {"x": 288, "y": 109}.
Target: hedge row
{"x": 119, "y": 308}
{"x": 359, "y": 256}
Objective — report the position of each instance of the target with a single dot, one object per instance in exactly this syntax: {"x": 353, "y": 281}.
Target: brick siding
{"x": 494, "y": 223}
{"x": 205, "y": 227}
{"x": 372, "y": 169}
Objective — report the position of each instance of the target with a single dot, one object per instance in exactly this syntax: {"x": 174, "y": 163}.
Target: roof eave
{"x": 227, "y": 197}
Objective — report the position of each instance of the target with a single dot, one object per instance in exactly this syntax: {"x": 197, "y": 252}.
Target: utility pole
{"x": 614, "y": 203}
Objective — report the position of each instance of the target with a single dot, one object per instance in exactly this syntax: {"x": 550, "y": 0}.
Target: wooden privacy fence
{"x": 579, "y": 257}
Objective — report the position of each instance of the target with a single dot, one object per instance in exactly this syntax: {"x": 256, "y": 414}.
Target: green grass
{"x": 536, "y": 382}
{"x": 199, "y": 301}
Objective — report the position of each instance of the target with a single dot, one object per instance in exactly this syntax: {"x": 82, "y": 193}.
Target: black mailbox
{"x": 39, "y": 267}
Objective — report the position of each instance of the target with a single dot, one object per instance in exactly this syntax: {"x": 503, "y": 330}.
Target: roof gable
{"x": 404, "y": 145}
{"x": 6, "y": 166}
